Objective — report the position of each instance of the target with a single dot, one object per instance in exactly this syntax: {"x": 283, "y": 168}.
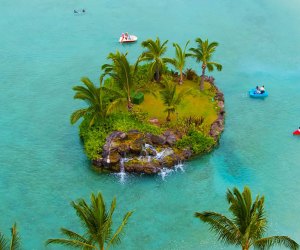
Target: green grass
{"x": 198, "y": 104}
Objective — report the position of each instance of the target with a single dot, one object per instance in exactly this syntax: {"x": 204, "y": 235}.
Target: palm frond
{"x": 268, "y": 242}
{"x": 72, "y": 243}
{"x": 225, "y": 229}
{"x": 73, "y": 236}
{"x": 3, "y": 242}
{"x": 116, "y": 237}
{"x": 76, "y": 115}
{"x": 15, "y": 239}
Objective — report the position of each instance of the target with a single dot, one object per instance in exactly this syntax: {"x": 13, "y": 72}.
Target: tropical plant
{"x": 180, "y": 59}
{"x": 122, "y": 73}
{"x": 12, "y": 244}
{"x": 98, "y": 103}
{"x": 154, "y": 52}
{"x": 203, "y": 53}
{"x": 248, "y": 225}
{"x": 171, "y": 99}
{"x": 190, "y": 74}
{"x": 97, "y": 223}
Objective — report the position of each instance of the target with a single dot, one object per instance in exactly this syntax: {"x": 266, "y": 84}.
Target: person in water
{"x": 262, "y": 89}
{"x": 257, "y": 90}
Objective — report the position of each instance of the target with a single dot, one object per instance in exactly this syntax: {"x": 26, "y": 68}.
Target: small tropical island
{"x": 154, "y": 113}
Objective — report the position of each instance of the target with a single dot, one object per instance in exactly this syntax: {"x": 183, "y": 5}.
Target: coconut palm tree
{"x": 14, "y": 243}
{"x": 154, "y": 52}
{"x": 122, "y": 73}
{"x": 248, "y": 225}
{"x": 97, "y": 99}
{"x": 180, "y": 59}
{"x": 203, "y": 53}
{"x": 97, "y": 223}
{"x": 171, "y": 99}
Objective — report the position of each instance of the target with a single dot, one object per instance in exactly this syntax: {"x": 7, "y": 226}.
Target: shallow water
{"x": 45, "y": 50}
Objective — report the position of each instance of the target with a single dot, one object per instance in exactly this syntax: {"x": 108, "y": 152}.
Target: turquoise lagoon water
{"x": 45, "y": 50}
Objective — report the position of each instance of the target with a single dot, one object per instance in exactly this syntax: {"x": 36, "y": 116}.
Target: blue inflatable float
{"x": 252, "y": 93}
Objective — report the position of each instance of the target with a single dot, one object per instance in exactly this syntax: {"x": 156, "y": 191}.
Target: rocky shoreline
{"x": 147, "y": 153}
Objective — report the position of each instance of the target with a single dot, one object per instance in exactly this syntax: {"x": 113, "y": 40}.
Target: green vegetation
{"x": 197, "y": 141}
{"x": 203, "y": 53}
{"x": 14, "y": 243}
{"x": 97, "y": 223}
{"x": 171, "y": 98}
{"x": 180, "y": 59}
{"x": 122, "y": 74}
{"x": 154, "y": 52}
{"x": 110, "y": 105}
{"x": 248, "y": 225}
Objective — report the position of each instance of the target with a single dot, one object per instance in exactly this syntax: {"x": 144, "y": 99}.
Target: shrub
{"x": 94, "y": 137}
{"x": 190, "y": 74}
{"x": 197, "y": 141}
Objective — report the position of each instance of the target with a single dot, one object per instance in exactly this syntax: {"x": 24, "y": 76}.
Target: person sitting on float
{"x": 257, "y": 90}
{"x": 126, "y": 36}
{"x": 262, "y": 89}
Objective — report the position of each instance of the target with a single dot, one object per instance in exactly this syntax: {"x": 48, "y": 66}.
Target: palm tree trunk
{"x": 157, "y": 74}
{"x": 202, "y": 77}
{"x": 246, "y": 246}
{"x": 181, "y": 77}
{"x": 168, "y": 117}
{"x": 129, "y": 103}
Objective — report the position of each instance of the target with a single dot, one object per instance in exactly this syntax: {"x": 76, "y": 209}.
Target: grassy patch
{"x": 198, "y": 104}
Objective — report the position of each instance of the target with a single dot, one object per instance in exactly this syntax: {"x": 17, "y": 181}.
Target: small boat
{"x": 253, "y": 93}
{"x": 296, "y": 132}
{"x": 128, "y": 39}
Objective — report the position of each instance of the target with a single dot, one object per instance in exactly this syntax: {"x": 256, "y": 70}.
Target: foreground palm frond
{"x": 248, "y": 225}
{"x": 97, "y": 223}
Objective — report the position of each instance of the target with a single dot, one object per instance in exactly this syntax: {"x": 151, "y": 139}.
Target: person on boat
{"x": 257, "y": 90}
{"x": 126, "y": 36}
{"x": 298, "y": 129}
{"x": 262, "y": 89}
{"x": 122, "y": 37}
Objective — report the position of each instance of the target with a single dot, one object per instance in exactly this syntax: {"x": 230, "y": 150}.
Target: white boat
{"x": 128, "y": 39}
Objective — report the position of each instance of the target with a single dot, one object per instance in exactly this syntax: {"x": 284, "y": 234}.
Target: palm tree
{"x": 154, "y": 52}
{"x": 97, "y": 223}
{"x": 122, "y": 73}
{"x": 14, "y": 243}
{"x": 203, "y": 53}
{"x": 248, "y": 225}
{"x": 180, "y": 59}
{"x": 171, "y": 99}
{"x": 99, "y": 105}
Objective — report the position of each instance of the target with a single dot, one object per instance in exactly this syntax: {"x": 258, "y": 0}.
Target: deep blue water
{"x": 45, "y": 50}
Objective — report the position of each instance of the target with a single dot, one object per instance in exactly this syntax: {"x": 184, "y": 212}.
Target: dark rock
{"x": 98, "y": 162}
{"x": 158, "y": 139}
{"x": 220, "y": 104}
{"x": 216, "y": 128}
{"x": 123, "y": 149}
{"x": 171, "y": 139}
{"x": 123, "y": 136}
{"x": 139, "y": 167}
{"x": 186, "y": 154}
{"x": 136, "y": 146}
{"x": 113, "y": 158}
